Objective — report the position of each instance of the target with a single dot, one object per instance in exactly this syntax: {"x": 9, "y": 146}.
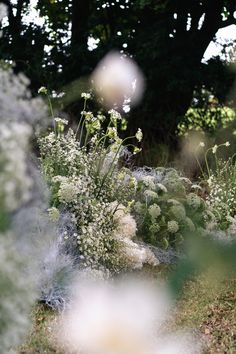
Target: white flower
{"x": 54, "y": 214}
{"x": 150, "y": 194}
{"x": 227, "y": 143}
{"x": 139, "y": 135}
{"x": 115, "y": 114}
{"x": 202, "y": 144}
{"x": 172, "y": 226}
{"x": 61, "y": 121}
{"x": 123, "y": 318}
{"x": 43, "y": 90}
{"x": 148, "y": 181}
{"x": 85, "y": 95}
{"x": 154, "y": 210}
{"x": 214, "y": 149}
{"x": 67, "y": 192}
{"x": 193, "y": 200}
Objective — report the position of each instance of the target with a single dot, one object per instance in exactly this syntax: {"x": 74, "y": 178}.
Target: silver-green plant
{"x": 33, "y": 258}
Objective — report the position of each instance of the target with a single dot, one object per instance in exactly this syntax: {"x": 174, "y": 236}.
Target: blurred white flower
{"x": 123, "y": 318}
{"x": 3, "y": 11}
{"x": 117, "y": 78}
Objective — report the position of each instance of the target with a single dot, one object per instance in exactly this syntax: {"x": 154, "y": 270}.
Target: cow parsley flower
{"x": 67, "y": 192}
{"x": 85, "y": 95}
{"x": 154, "y": 211}
{"x": 54, "y": 214}
{"x": 139, "y": 135}
{"x": 150, "y": 194}
{"x": 173, "y": 226}
{"x": 61, "y": 121}
{"x": 193, "y": 200}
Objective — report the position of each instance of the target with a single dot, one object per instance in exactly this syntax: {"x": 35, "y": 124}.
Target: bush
{"x": 167, "y": 207}
{"x": 86, "y": 178}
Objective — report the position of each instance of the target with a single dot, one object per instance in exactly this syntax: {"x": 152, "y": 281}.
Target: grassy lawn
{"x": 205, "y": 307}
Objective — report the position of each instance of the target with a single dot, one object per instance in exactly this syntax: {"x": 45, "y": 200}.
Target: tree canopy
{"x": 167, "y": 38}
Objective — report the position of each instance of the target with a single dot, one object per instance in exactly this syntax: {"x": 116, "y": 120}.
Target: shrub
{"x": 167, "y": 207}
{"x": 86, "y": 177}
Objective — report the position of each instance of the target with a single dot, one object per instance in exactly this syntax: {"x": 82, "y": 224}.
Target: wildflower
{"x": 61, "y": 121}
{"x": 150, "y": 194}
{"x": 154, "y": 228}
{"x": 193, "y": 200}
{"x": 154, "y": 210}
{"x": 85, "y": 95}
{"x": 67, "y": 192}
{"x": 54, "y": 214}
{"x": 43, "y": 90}
{"x": 227, "y": 143}
{"x": 214, "y": 149}
{"x": 136, "y": 150}
{"x": 139, "y": 135}
{"x": 133, "y": 183}
{"x": 172, "y": 226}
{"x": 148, "y": 181}
{"x": 112, "y": 132}
{"x": 202, "y": 144}
{"x": 121, "y": 318}
{"x": 116, "y": 115}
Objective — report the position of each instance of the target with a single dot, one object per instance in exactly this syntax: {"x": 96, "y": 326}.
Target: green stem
{"x": 51, "y": 111}
{"x": 117, "y": 152}
{"x": 81, "y": 117}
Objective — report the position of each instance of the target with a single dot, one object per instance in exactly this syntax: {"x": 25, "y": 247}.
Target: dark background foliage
{"x": 167, "y": 38}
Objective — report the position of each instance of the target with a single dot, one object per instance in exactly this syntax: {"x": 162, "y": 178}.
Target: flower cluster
{"x": 86, "y": 177}
{"x": 166, "y": 206}
{"x": 222, "y": 194}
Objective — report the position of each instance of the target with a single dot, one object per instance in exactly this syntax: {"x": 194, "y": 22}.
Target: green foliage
{"x": 222, "y": 194}
{"x": 208, "y": 120}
